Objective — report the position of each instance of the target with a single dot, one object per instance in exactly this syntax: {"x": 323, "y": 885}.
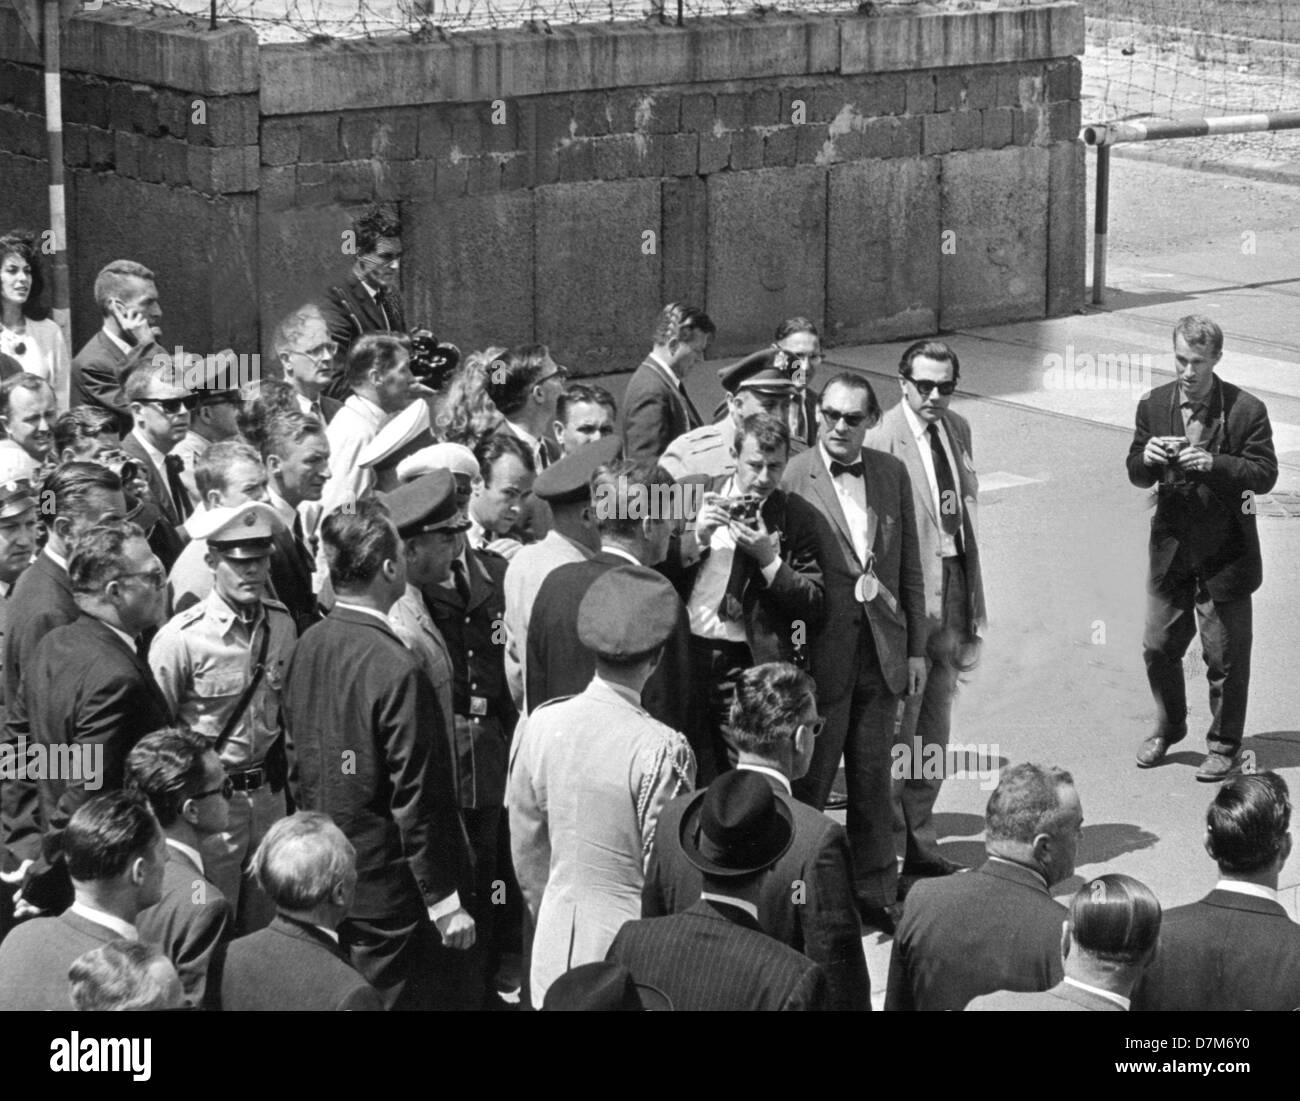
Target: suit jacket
{"x": 893, "y": 435}
{"x": 371, "y": 753}
{"x": 534, "y": 519}
{"x": 995, "y": 928}
{"x": 191, "y": 924}
{"x": 1228, "y": 952}
{"x": 350, "y": 311}
{"x": 898, "y": 629}
{"x": 1061, "y": 998}
{"x": 291, "y": 577}
{"x": 167, "y": 537}
{"x": 291, "y": 966}
{"x": 655, "y": 412}
{"x": 36, "y": 955}
{"x": 807, "y": 899}
{"x": 97, "y": 374}
{"x": 1204, "y": 530}
{"x": 715, "y": 957}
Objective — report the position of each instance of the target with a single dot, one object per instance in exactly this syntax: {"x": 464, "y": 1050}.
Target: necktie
{"x": 853, "y": 470}
{"x": 300, "y": 544}
{"x": 543, "y": 458}
{"x": 799, "y": 425}
{"x": 949, "y": 511}
{"x": 317, "y": 411}
{"x": 392, "y": 307}
{"x": 461, "y": 580}
{"x": 175, "y": 464}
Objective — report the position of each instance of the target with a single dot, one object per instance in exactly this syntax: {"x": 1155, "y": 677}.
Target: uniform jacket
{"x": 1227, "y": 952}
{"x": 361, "y": 753}
{"x": 1206, "y": 530}
{"x": 191, "y": 924}
{"x": 36, "y": 955}
{"x": 412, "y": 623}
{"x": 820, "y": 920}
{"x": 994, "y": 928}
{"x": 167, "y": 537}
{"x": 97, "y": 374}
{"x": 898, "y": 631}
{"x": 1061, "y": 998}
{"x": 476, "y": 643}
{"x": 291, "y": 965}
{"x": 655, "y": 412}
{"x": 588, "y": 779}
{"x": 715, "y": 957}
{"x": 893, "y": 435}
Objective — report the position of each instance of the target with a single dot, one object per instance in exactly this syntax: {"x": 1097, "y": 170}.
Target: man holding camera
{"x": 1208, "y": 447}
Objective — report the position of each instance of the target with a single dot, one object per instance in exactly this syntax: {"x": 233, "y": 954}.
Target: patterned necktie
{"x": 392, "y": 307}
{"x": 853, "y": 470}
{"x": 175, "y": 464}
{"x": 949, "y": 513}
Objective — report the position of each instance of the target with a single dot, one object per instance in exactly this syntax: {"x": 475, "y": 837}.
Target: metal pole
{"x": 1115, "y": 133}
{"x": 1100, "y": 217}
{"x": 54, "y": 130}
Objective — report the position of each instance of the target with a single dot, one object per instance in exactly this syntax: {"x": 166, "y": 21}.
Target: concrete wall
{"x": 886, "y": 176}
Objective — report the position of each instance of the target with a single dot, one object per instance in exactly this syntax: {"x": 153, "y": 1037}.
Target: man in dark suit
{"x": 656, "y": 408}
{"x": 996, "y": 928}
{"x": 806, "y": 899}
{"x": 297, "y": 457}
{"x": 1109, "y": 939}
{"x": 1235, "y": 949}
{"x": 87, "y": 696}
{"x": 371, "y": 753}
{"x": 798, "y": 347}
{"x": 714, "y": 955}
{"x": 871, "y": 649}
{"x": 306, "y": 352}
{"x": 308, "y": 868}
{"x": 1209, "y": 445}
{"x": 189, "y": 792}
{"x": 127, "y": 297}
{"x": 748, "y": 574}
{"x": 115, "y": 855}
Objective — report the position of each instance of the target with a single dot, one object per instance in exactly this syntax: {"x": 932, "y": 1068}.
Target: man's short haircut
{"x": 375, "y": 222}
{"x": 1026, "y": 802}
{"x": 931, "y": 349}
{"x": 302, "y": 859}
{"x": 112, "y": 282}
{"x": 271, "y": 396}
{"x": 25, "y": 381}
{"x": 118, "y": 976}
{"x": 615, "y": 485}
{"x": 584, "y": 393}
{"x": 285, "y": 431}
{"x": 22, "y": 243}
{"x": 291, "y": 328}
{"x": 770, "y": 432}
{"x": 382, "y": 351}
{"x": 70, "y": 488}
{"x": 792, "y": 325}
{"x": 158, "y": 368}
{"x": 1200, "y": 332}
{"x": 768, "y": 705}
{"x": 511, "y": 376}
{"x": 491, "y": 449}
{"x": 859, "y": 385}
{"x": 99, "y": 555}
{"x": 358, "y": 539}
{"x": 166, "y": 767}
{"x": 106, "y": 833}
{"x": 82, "y": 424}
{"x": 678, "y": 321}
{"x": 1115, "y": 918}
{"x": 212, "y": 471}
{"x": 1248, "y": 822}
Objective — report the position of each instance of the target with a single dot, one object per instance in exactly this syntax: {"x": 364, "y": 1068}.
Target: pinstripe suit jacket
{"x": 714, "y": 956}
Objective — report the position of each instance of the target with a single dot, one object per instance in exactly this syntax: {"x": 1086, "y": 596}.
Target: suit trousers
{"x": 405, "y": 960}
{"x": 497, "y": 903}
{"x": 860, "y": 726}
{"x": 227, "y": 857}
{"x": 716, "y": 664}
{"x": 1226, "y": 630}
{"x": 928, "y": 716}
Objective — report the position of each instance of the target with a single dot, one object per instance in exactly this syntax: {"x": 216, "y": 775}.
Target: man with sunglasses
{"x": 934, "y": 443}
{"x": 213, "y": 419}
{"x": 870, "y": 651}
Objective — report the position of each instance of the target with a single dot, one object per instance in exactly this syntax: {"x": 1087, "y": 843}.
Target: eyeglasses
{"x": 559, "y": 372}
{"x": 924, "y": 386}
{"x": 226, "y": 790}
{"x": 172, "y": 406}
{"x": 157, "y": 577}
{"x": 833, "y": 416}
{"x": 318, "y": 355}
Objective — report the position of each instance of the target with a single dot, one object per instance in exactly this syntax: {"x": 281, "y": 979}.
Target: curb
{"x": 1281, "y": 172}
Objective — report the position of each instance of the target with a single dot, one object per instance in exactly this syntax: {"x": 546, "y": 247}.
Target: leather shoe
{"x": 930, "y": 869}
{"x": 1154, "y": 747}
{"x": 884, "y": 918}
{"x": 837, "y": 800}
{"x": 1216, "y": 767}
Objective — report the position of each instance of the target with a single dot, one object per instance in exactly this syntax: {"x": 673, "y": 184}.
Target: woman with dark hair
{"x": 27, "y": 335}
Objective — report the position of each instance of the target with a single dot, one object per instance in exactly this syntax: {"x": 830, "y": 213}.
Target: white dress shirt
{"x": 123, "y": 929}
{"x": 1256, "y": 890}
{"x": 192, "y": 854}
{"x": 776, "y": 774}
{"x": 1109, "y": 995}
{"x": 852, "y": 494}
{"x": 920, "y": 430}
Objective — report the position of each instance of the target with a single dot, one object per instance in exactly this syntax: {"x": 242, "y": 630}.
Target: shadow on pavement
{"x": 959, "y": 825}
{"x": 1107, "y": 841}
{"x": 1274, "y": 749}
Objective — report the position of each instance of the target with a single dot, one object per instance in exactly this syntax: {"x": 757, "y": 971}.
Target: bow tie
{"x": 853, "y": 470}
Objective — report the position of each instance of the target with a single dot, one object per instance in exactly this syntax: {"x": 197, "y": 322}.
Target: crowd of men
{"x": 348, "y": 688}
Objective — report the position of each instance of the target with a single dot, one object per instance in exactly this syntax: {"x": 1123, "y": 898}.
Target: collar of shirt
{"x": 827, "y": 458}
{"x": 1013, "y": 864}
{"x": 672, "y": 375}
{"x": 727, "y": 900}
{"x": 57, "y": 559}
{"x": 633, "y": 698}
{"x": 130, "y": 642}
{"x": 531, "y": 441}
{"x": 776, "y": 774}
{"x": 283, "y": 509}
{"x": 366, "y": 408}
{"x": 331, "y": 933}
{"x": 305, "y": 403}
{"x": 218, "y": 609}
{"x": 1257, "y": 890}
{"x": 193, "y": 855}
{"x": 918, "y": 426}
{"x": 109, "y": 921}
{"x": 1109, "y": 995}
{"x": 4, "y": 588}
{"x": 367, "y": 611}
{"x": 156, "y": 457}
{"x": 121, "y": 345}
{"x": 620, "y": 552}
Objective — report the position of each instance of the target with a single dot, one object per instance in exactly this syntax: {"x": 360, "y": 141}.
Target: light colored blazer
{"x": 412, "y": 623}
{"x": 588, "y": 778}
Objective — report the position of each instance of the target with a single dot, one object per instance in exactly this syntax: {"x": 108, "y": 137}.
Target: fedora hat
{"x": 736, "y": 826}
{"x": 602, "y": 987}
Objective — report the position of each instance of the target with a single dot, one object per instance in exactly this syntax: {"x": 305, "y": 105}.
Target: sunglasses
{"x": 226, "y": 790}
{"x": 172, "y": 406}
{"x": 559, "y": 372}
{"x": 924, "y": 386}
{"x": 833, "y": 416}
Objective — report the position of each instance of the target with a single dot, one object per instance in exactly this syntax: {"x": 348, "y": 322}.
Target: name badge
{"x": 867, "y": 588}
{"x": 477, "y": 705}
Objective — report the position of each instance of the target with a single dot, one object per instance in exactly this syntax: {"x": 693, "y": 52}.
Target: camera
{"x": 744, "y": 509}
{"x": 121, "y": 464}
{"x": 432, "y": 361}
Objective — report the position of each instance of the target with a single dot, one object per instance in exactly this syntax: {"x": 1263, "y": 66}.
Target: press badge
{"x": 867, "y": 588}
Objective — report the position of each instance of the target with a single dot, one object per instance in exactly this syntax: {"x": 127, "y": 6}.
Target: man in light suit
{"x": 870, "y": 650}
{"x": 656, "y": 408}
{"x": 115, "y": 855}
{"x": 775, "y": 724}
{"x": 714, "y": 955}
{"x": 1235, "y": 949}
{"x": 1108, "y": 940}
{"x": 934, "y": 443}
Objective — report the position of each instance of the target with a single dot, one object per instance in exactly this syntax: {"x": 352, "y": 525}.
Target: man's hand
{"x": 915, "y": 676}
{"x": 713, "y": 514}
{"x": 757, "y": 542}
{"x": 457, "y": 929}
{"x": 1154, "y": 454}
{"x": 1195, "y": 459}
{"x": 22, "y": 908}
{"x": 133, "y": 323}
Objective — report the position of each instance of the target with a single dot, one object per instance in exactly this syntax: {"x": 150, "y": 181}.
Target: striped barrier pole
{"x": 54, "y": 130}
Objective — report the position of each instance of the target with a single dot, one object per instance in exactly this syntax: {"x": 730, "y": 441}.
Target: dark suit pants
{"x": 497, "y": 906}
{"x": 928, "y": 716}
{"x": 716, "y": 665}
{"x": 860, "y": 726}
{"x": 1226, "y": 635}
{"x": 405, "y": 961}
